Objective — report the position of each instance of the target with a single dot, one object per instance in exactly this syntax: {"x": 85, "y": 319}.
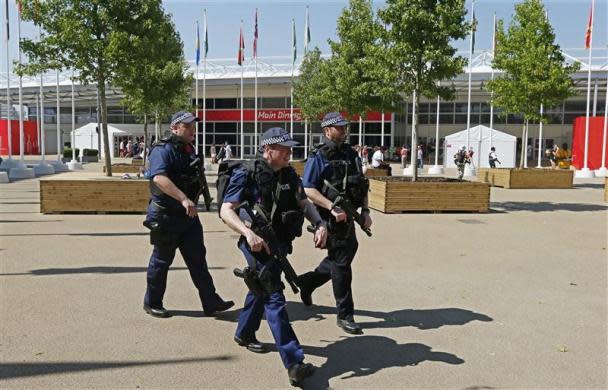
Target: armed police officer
{"x": 172, "y": 218}
{"x": 333, "y": 172}
{"x": 271, "y": 204}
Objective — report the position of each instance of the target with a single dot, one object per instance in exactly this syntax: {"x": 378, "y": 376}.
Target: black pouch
{"x": 252, "y": 281}
{"x": 292, "y": 221}
{"x": 158, "y": 235}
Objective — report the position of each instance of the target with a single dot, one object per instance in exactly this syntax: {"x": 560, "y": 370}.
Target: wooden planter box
{"x": 82, "y": 193}
{"x": 398, "y": 194}
{"x": 526, "y": 178}
{"x": 124, "y": 168}
{"x": 298, "y": 166}
{"x": 375, "y": 172}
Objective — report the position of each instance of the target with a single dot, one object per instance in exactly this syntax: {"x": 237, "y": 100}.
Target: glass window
{"x": 460, "y": 107}
{"x": 515, "y": 119}
{"x": 226, "y": 128}
{"x": 446, "y": 118}
{"x": 446, "y": 107}
{"x": 423, "y": 119}
{"x": 274, "y": 102}
{"x": 569, "y": 118}
{"x": 423, "y": 108}
{"x": 250, "y": 102}
{"x": 374, "y": 128}
{"x": 576, "y": 105}
{"x": 462, "y": 119}
{"x": 225, "y": 103}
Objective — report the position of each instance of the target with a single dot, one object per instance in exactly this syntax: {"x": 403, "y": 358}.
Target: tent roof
{"x": 90, "y": 128}
{"x": 480, "y": 133}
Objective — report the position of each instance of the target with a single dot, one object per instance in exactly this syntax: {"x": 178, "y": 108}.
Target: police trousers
{"x": 187, "y": 236}
{"x": 274, "y": 306}
{"x": 336, "y": 266}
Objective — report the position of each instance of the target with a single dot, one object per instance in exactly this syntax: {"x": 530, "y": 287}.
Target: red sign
{"x": 30, "y": 133}
{"x": 274, "y": 115}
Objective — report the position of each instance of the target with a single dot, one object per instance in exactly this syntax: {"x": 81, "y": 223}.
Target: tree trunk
{"x": 522, "y": 153}
{"x": 145, "y": 138}
{"x": 104, "y": 125}
{"x": 413, "y": 149}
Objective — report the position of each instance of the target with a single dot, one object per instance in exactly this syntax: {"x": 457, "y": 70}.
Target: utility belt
{"x": 160, "y": 234}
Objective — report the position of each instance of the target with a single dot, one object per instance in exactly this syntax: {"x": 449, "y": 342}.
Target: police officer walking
{"x": 173, "y": 219}
{"x": 268, "y": 192}
{"x": 334, "y": 169}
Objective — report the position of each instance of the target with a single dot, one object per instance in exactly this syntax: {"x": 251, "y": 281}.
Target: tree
{"x": 153, "y": 79}
{"x": 89, "y": 36}
{"x": 351, "y": 79}
{"x": 417, "y": 45}
{"x": 534, "y": 69}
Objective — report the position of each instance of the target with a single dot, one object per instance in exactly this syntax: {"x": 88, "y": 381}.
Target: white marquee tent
{"x": 479, "y": 141}
{"x": 86, "y": 137}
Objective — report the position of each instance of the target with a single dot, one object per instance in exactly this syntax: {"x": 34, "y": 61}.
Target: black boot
{"x": 251, "y": 344}
{"x": 349, "y": 325}
{"x": 218, "y": 306}
{"x": 158, "y": 312}
{"x": 298, "y": 372}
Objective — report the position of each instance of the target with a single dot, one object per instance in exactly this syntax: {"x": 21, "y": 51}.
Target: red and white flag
{"x": 589, "y": 27}
{"x": 241, "y": 55}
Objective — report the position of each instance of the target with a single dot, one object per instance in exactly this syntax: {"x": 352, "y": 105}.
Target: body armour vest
{"x": 279, "y": 198}
{"x": 185, "y": 172}
{"x": 346, "y": 172}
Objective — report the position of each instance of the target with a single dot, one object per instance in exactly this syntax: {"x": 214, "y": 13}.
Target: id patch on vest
{"x": 285, "y": 187}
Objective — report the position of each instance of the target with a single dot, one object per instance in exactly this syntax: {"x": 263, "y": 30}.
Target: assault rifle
{"x": 345, "y": 204}
{"x": 198, "y": 165}
{"x": 263, "y": 228}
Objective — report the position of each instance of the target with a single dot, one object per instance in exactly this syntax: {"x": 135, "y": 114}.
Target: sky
{"x": 568, "y": 17}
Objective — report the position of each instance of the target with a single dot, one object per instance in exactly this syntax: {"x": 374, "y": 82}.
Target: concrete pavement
{"x": 516, "y": 298}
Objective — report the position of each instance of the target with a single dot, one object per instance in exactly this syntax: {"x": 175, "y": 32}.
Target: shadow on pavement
{"x": 547, "y": 206}
{"x": 25, "y": 369}
{"x": 91, "y": 270}
{"x": 27, "y": 221}
{"x": 366, "y": 355}
{"x": 110, "y": 234}
{"x": 589, "y": 185}
{"x": 421, "y": 319}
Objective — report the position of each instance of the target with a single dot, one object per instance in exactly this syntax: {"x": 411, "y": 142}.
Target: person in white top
{"x": 377, "y": 158}
{"x": 228, "y": 152}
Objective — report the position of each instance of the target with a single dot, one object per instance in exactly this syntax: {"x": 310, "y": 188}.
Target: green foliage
{"x": 67, "y": 152}
{"x": 313, "y": 91}
{"x": 417, "y": 44}
{"x": 96, "y": 38}
{"x": 90, "y": 152}
{"x": 534, "y": 69}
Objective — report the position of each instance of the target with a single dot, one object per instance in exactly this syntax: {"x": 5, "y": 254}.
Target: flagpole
{"x": 9, "y": 164}
{"x": 197, "y": 56}
{"x": 602, "y": 171}
{"x": 205, "y": 46}
{"x": 540, "y": 137}
{"x": 20, "y": 170}
{"x": 436, "y": 169}
{"x": 306, "y": 40}
{"x": 255, "y": 93}
{"x": 469, "y": 171}
{"x": 241, "y": 43}
{"x": 585, "y": 171}
{"x": 293, "y": 61}
{"x": 74, "y": 165}
{"x": 492, "y": 92}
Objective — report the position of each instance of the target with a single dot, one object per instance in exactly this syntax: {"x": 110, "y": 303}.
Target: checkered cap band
{"x": 180, "y": 118}
{"x": 332, "y": 121}
{"x": 276, "y": 140}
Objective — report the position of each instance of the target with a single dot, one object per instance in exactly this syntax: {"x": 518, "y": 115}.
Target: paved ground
{"x": 516, "y": 298}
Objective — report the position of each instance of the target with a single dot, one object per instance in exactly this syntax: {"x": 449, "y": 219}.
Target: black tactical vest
{"x": 346, "y": 172}
{"x": 186, "y": 171}
{"x": 279, "y": 198}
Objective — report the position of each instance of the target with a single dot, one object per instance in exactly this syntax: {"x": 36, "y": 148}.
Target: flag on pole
{"x": 589, "y": 28}
{"x": 198, "y": 45}
{"x": 473, "y": 29}
{"x": 206, "y": 37}
{"x": 241, "y": 55}
{"x": 255, "y": 36}
{"x": 8, "y": 33}
{"x": 294, "y": 48}
{"x": 19, "y": 6}
{"x": 306, "y": 33}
